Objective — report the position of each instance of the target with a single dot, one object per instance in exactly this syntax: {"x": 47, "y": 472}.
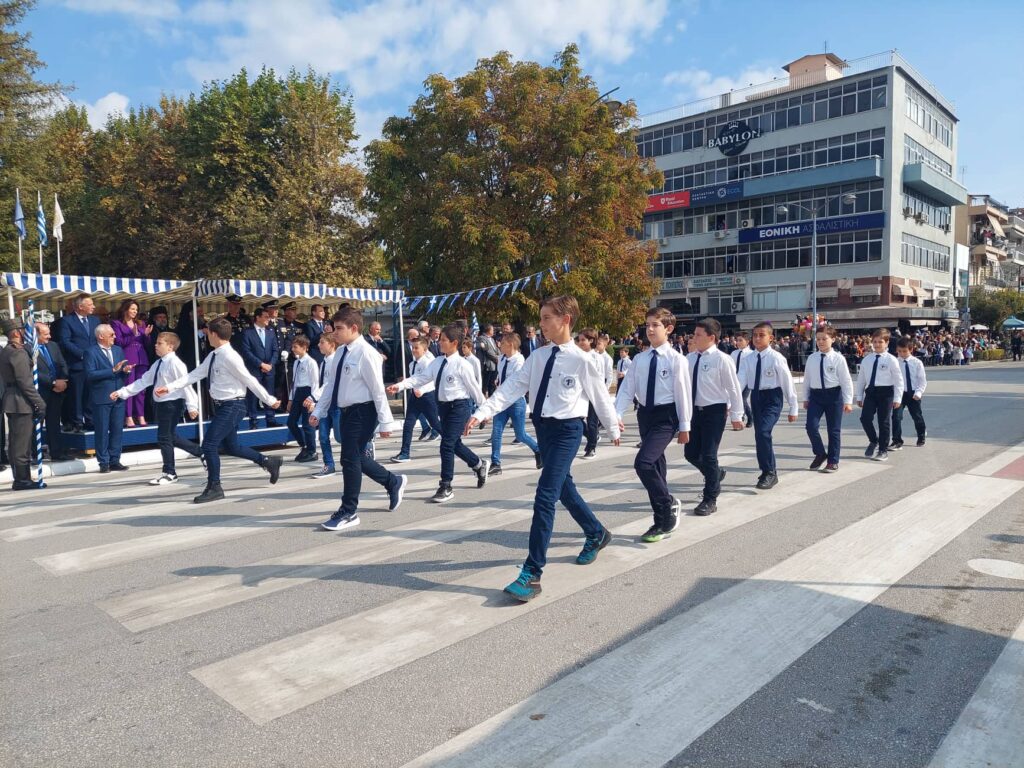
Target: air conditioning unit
{"x": 920, "y": 217}
{"x": 663, "y": 241}
{"x": 908, "y": 211}
{"x": 736, "y": 306}
{"x": 942, "y": 293}
{"x": 746, "y": 223}
{"x": 720, "y": 234}
{"x": 945, "y": 228}
{"x": 942, "y": 302}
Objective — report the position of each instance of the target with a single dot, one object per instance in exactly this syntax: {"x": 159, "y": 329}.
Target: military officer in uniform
{"x": 238, "y": 318}
{"x": 287, "y": 329}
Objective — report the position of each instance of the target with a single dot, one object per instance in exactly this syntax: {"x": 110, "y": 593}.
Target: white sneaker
{"x": 164, "y": 479}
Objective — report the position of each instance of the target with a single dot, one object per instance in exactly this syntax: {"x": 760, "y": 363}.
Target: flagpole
{"x": 21, "y": 259}
{"x": 42, "y": 232}
{"x": 58, "y": 257}
{"x": 58, "y": 228}
{"x": 32, "y": 345}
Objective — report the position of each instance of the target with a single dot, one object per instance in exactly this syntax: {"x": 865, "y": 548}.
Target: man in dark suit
{"x": 77, "y": 336}
{"x": 21, "y": 403}
{"x": 314, "y": 330}
{"x": 107, "y": 371}
{"x": 530, "y": 341}
{"x": 375, "y": 340}
{"x": 260, "y": 351}
{"x": 53, "y": 383}
{"x": 434, "y": 345}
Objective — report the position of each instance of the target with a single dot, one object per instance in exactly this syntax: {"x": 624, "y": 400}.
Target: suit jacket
{"x": 255, "y": 352}
{"x": 76, "y": 340}
{"x": 314, "y": 332}
{"x": 435, "y": 348}
{"x": 529, "y": 345}
{"x": 20, "y": 395}
{"x": 100, "y": 375}
{"x": 487, "y": 352}
{"x": 46, "y": 375}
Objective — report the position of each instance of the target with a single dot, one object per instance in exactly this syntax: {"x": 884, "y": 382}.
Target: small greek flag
{"x": 19, "y": 216}
{"x": 40, "y": 220}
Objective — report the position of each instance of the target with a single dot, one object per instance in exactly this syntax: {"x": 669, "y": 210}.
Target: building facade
{"x": 994, "y": 233}
{"x": 860, "y": 154}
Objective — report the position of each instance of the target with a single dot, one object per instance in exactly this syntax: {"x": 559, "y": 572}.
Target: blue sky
{"x": 124, "y": 53}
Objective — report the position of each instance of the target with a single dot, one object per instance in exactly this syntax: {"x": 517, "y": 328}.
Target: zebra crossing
{"x": 619, "y": 709}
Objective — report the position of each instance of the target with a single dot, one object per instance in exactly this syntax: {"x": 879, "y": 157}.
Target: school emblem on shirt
{"x": 706, "y": 367}
{"x": 569, "y": 382}
{"x": 450, "y": 378}
{"x": 663, "y": 373}
{"x": 348, "y": 369}
{"x": 882, "y": 366}
{"x": 830, "y": 368}
{"x": 770, "y": 372}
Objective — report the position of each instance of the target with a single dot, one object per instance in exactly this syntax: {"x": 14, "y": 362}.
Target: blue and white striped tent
{"x": 303, "y": 293}
{"x": 50, "y": 291}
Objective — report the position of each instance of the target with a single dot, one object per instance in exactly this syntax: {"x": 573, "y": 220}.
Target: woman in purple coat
{"x": 133, "y": 338}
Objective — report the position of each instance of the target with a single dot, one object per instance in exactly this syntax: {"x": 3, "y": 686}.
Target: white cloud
{"x": 98, "y": 112}
{"x": 700, "y": 84}
{"x": 681, "y": 26}
{"x": 153, "y": 9}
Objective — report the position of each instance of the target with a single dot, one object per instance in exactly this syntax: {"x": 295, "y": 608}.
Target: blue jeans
{"x": 517, "y": 414}
{"x": 168, "y": 415}
{"x": 766, "y": 406}
{"x": 332, "y": 419}
{"x": 830, "y": 403}
{"x": 706, "y": 429}
{"x": 108, "y": 422}
{"x": 298, "y": 420}
{"x": 453, "y": 416}
{"x": 559, "y": 440}
{"x": 358, "y": 424}
{"x": 223, "y": 430}
{"x": 424, "y": 410}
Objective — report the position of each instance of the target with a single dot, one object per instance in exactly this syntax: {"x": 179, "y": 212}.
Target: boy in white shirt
{"x": 457, "y": 385}
{"x": 508, "y": 365}
{"x": 915, "y": 381}
{"x": 622, "y": 364}
{"x": 327, "y": 346}
{"x": 587, "y": 340}
{"x": 742, "y": 351}
{"x": 828, "y": 391}
{"x": 466, "y": 349}
{"x": 305, "y": 378}
{"x": 878, "y": 380}
{"x": 562, "y": 381}
{"x": 660, "y": 378}
{"x": 766, "y": 374}
{"x": 168, "y": 408}
{"x": 421, "y": 403}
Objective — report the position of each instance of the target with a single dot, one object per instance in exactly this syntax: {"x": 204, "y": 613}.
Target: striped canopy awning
{"x": 304, "y": 293}
{"x": 55, "y": 287}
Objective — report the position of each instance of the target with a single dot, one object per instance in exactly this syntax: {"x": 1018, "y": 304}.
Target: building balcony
{"x": 928, "y": 181}
{"x": 1014, "y": 227}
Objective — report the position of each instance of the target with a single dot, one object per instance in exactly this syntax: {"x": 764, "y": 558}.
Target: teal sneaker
{"x": 592, "y": 546}
{"x": 526, "y": 587}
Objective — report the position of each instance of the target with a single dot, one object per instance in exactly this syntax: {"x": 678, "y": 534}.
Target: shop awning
{"x": 866, "y": 290}
{"x": 898, "y": 290}
{"x": 996, "y": 226}
{"x": 828, "y": 293}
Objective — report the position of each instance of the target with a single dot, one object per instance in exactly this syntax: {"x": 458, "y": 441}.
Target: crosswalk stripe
{"x": 286, "y": 675}
{"x": 1002, "y": 459}
{"x": 624, "y": 709}
{"x": 179, "y": 539}
{"x": 990, "y": 730}
{"x": 162, "y": 605}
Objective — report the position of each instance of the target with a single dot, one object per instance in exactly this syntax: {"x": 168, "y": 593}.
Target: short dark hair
{"x": 302, "y": 340}
{"x": 513, "y": 339}
{"x": 454, "y": 333}
{"x": 563, "y": 305}
{"x": 662, "y": 315}
{"x": 742, "y": 335}
{"x": 711, "y": 327}
{"x": 259, "y": 312}
{"x": 905, "y": 342}
{"x": 762, "y": 326}
{"x": 488, "y": 328}
{"x": 349, "y": 316}
{"x": 881, "y": 333}
{"x": 220, "y": 327}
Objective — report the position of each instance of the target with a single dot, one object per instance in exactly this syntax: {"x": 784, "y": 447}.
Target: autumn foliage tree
{"x": 510, "y": 169}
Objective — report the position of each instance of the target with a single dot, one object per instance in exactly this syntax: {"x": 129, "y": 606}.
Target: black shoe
{"x": 273, "y": 466}
{"x": 721, "y": 476}
{"x": 870, "y": 451}
{"x": 590, "y": 454}
{"x": 117, "y": 466}
{"x": 26, "y": 485}
{"x": 768, "y": 480}
{"x": 443, "y": 494}
{"x": 538, "y": 460}
{"x": 423, "y": 436}
{"x": 210, "y": 493}
{"x": 920, "y": 442}
{"x": 818, "y": 461}
{"x": 494, "y": 469}
{"x": 481, "y": 473}
{"x": 273, "y": 423}
{"x": 104, "y": 469}
{"x": 897, "y": 445}
{"x": 252, "y": 424}
{"x": 705, "y": 508}
{"x": 307, "y": 456}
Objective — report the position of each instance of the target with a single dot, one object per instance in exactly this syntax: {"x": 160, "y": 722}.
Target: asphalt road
{"x": 874, "y": 617}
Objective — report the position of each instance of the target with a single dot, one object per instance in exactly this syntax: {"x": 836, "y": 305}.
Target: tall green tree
{"x": 510, "y": 169}
{"x": 991, "y": 308}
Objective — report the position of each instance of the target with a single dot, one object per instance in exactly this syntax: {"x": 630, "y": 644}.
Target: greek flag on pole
{"x": 19, "y": 216}
{"x": 41, "y": 221}
{"x": 475, "y": 327}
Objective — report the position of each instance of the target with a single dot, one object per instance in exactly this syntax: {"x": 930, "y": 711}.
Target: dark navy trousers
{"x": 827, "y": 403}
{"x": 658, "y": 428}
{"x": 766, "y": 407}
{"x": 706, "y": 429}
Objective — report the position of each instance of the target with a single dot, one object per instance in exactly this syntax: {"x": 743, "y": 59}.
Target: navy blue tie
{"x": 337, "y": 377}
{"x": 739, "y": 357}
{"x": 49, "y": 360}
{"x": 693, "y": 383}
{"x": 542, "y": 390}
{"x": 652, "y": 375}
{"x": 821, "y": 368}
{"x": 874, "y": 370}
{"x": 504, "y": 372}
{"x": 757, "y": 374}
{"x": 907, "y": 366}
{"x": 437, "y": 381}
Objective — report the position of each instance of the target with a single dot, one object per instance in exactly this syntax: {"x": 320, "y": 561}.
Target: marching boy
{"x": 422, "y": 404}
{"x": 660, "y": 378}
{"x": 766, "y": 374}
{"x": 878, "y": 380}
{"x": 914, "y": 384}
{"x": 828, "y": 390}
{"x": 168, "y": 408}
{"x": 562, "y": 381}
{"x": 305, "y": 379}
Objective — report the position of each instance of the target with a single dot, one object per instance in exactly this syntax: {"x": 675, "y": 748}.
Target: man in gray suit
{"x": 21, "y": 403}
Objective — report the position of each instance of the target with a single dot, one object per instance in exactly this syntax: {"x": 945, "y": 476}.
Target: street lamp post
{"x": 846, "y": 199}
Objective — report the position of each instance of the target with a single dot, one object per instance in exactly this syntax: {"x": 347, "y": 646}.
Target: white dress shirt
{"x": 887, "y": 374}
{"x": 305, "y": 373}
{"x": 458, "y": 382}
{"x": 607, "y": 367}
{"x": 918, "y": 380}
{"x": 164, "y": 371}
{"x": 514, "y": 363}
{"x": 575, "y": 383}
{"x": 325, "y": 365}
{"x": 740, "y": 354}
{"x": 474, "y": 362}
{"x": 716, "y": 381}
{"x": 671, "y": 385}
{"x": 418, "y": 366}
{"x": 362, "y": 381}
{"x": 774, "y": 375}
{"x": 837, "y": 374}
{"x": 622, "y": 365}
{"x": 230, "y": 378}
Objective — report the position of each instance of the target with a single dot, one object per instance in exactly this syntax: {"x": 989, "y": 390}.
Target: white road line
{"x": 624, "y": 709}
{"x": 154, "y": 607}
{"x": 286, "y": 675}
{"x": 997, "y": 462}
{"x": 990, "y": 730}
{"x": 178, "y": 539}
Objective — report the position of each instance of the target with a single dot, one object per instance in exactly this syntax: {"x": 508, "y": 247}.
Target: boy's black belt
{"x": 229, "y": 400}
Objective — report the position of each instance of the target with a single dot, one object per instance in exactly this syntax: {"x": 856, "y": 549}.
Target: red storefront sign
{"x": 666, "y": 201}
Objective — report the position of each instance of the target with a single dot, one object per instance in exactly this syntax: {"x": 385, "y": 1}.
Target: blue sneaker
{"x": 592, "y": 546}
{"x": 396, "y": 493}
{"x": 525, "y": 587}
{"x": 339, "y": 522}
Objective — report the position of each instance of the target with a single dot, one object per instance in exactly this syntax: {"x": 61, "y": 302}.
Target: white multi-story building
{"x": 861, "y": 151}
